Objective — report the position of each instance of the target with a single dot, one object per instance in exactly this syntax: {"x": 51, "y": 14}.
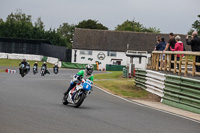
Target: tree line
{"x": 19, "y": 25}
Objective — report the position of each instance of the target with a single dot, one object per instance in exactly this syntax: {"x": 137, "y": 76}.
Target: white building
{"x": 106, "y": 57}
{"x": 110, "y": 47}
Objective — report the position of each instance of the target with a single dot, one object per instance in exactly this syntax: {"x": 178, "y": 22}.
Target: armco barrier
{"x": 152, "y": 81}
{"x": 3, "y": 55}
{"x": 52, "y": 60}
{"x": 155, "y": 86}
{"x": 182, "y": 93}
{"x": 175, "y": 91}
{"x": 25, "y": 56}
{"x": 140, "y": 78}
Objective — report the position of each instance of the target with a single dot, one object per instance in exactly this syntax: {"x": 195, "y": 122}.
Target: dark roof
{"x": 105, "y": 40}
{"x": 32, "y": 41}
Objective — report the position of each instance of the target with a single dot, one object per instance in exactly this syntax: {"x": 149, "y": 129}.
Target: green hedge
{"x": 76, "y": 65}
{"x": 114, "y": 67}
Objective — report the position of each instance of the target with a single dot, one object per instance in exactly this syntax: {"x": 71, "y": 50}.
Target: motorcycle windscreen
{"x": 86, "y": 86}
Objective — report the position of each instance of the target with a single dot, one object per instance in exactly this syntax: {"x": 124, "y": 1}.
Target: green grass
{"x": 120, "y": 86}
{"x": 123, "y": 87}
{"x": 2, "y": 70}
{"x": 110, "y": 75}
{"x": 15, "y": 63}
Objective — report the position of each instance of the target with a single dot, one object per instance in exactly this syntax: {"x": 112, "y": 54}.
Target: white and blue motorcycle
{"x": 43, "y": 71}
{"x": 55, "y": 70}
{"x": 77, "y": 95}
{"x": 35, "y": 70}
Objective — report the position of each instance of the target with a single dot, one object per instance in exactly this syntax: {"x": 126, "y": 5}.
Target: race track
{"x": 34, "y": 105}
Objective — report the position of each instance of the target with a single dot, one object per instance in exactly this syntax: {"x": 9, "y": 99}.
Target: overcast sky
{"x": 168, "y": 15}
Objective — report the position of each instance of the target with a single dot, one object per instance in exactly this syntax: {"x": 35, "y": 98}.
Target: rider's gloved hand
{"x": 79, "y": 78}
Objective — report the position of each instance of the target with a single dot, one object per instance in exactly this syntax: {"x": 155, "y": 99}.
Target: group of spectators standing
{"x": 175, "y": 44}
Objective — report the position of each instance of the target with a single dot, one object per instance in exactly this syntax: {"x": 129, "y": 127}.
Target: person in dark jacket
{"x": 161, "y": 45}
{"x": 171, "y": 43}
{"x": 195, "y": 46}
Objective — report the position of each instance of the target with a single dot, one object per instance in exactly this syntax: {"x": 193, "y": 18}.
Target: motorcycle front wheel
{"x": 42, "y": 73}
{"x": 64, "y": 100}
{"x": 78, "y": 99}
{"x": 22, "y": 72}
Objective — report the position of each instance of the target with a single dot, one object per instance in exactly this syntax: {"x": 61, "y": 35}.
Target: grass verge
{"x": 15, "y": 63}
{"x": 110, "y": 75}
{"x": 2, "y": 70}
{"x": 120, "y": 86}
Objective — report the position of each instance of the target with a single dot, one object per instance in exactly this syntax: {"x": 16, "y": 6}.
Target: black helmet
{"x": 89, "y": 69}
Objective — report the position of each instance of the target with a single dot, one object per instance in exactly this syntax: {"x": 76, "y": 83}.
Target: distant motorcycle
{"x": 77, "y": 95}
{"x": 35, "y": 70}
{"x": 23, "y": 70}
{"x": 43, "y": 71}
{"x": 55, "y": 70}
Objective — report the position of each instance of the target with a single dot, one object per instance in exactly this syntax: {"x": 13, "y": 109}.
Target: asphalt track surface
{"x": 34, "y": 105}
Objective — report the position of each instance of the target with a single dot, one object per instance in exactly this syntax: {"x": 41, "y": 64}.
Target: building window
{"x": 86, "y": 52}
{"x": 109, "y": 53}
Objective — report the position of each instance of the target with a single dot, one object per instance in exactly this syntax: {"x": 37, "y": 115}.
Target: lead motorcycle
{"x": 77, "y": 95}
{"x": 23, "y": 70}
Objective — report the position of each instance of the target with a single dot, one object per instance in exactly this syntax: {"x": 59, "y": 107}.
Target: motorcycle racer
{"x": 86, "y": 74}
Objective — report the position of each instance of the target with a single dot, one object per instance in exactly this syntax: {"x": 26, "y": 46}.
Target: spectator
{"x": 178, "y": 47}
{"x": 158, "y": 38}
{"x": 195, "y": 46}
{"x": 171, "y": 43}
{"x": 160, "y": 46}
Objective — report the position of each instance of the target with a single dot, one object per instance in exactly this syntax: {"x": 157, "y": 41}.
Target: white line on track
{"x": 149, "y": 106}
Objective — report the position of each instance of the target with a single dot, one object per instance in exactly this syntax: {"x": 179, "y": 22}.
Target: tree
{"x": 91, "y": 24}
{"x": 135, "y": 26}
{"x": 67, "y": 32}
{"x": 195, "y": 26}
{"x": 54, "y": 37}
{"x": 19, "y": 25}
{"x": 38, "y": 30}
{"x": 39, "y": 24}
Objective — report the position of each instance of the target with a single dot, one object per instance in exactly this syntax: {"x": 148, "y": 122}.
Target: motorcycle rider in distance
{"x": 25, "y": 64}
{"x": 36, "y": 65}
{"x": 45, "y": 65}
{"x": 55, "y": 66}
{"x": 86, "y": 74}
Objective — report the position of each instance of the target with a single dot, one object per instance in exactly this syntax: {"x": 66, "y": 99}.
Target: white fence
{"x": 30, "y": 57}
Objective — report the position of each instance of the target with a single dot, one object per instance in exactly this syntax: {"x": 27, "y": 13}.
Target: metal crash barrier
{"x": 175, "y": 91}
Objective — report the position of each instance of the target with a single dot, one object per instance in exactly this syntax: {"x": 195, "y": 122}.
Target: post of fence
{"x": 186, "y": 63}
{"x": 193, "y": 65}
